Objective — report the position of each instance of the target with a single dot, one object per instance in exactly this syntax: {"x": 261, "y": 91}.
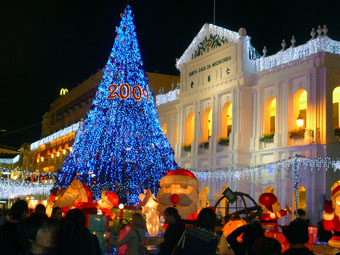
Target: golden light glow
{"x": 52, "y": 155}
{"x": 226, "y": 119}
{"x": 164, "y": 128}
{"x": 299, "y": 121}
{"x": 270, "y": 116}
{"x": 121, "y": 206}
{"x": 328, "y": 216}
{"x": 189, "y": 128}
{"x": 232, "y": 225}
{"x": 303, "y": 100}
{"x": 58, "y": 154}
{"x": 64, "y": 151}
{"x": 336, "y": 107}
{"x": 42, "y": 159}
{"x": 300, "y": 108}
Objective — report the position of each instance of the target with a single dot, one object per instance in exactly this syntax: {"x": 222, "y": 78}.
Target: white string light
{"x": 10, "y": 189}
{"x": 306, "y": 163}
{"x": 10, "y": 161}
{"x": 56, "y": 135}
{"x": 17, "y": 183}
{"x": 205, "y": 31}
{"x": 168, "y": 97}
{"x": 324, "y": 44}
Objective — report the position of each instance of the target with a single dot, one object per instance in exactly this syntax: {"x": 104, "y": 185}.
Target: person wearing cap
{"x": 297, "y": 236}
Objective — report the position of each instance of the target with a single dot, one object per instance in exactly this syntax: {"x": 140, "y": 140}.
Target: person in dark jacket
{"x": 200, "y": 238}
{"x": 267, "y": 246}
{"x": 36, "y": 235}
{"x": 251, "y": 233}
{"x": 9, "y": 231}
{"x": 75, "y": 238}
{"x": 173, "y": 232}
{"x": 297, "y": 236}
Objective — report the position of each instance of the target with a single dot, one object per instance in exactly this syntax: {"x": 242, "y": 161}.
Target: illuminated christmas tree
{"x": 120, "y": 146}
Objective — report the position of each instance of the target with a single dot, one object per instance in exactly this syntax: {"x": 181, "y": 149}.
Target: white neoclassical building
{"x": 234, "y": 109}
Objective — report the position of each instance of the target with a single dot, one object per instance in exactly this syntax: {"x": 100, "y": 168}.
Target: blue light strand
{"x": 120, "y": 146}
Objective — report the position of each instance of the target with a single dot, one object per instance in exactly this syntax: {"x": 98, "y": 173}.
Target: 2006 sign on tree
{"x": 137, "y": 92}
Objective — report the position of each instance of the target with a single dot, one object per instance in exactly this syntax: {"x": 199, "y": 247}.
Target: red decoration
{"x": 328, "y": 206}
{"x": 271, "y": 211}
{"x": 51, "y": 197}
{"x": 113, "y": 198}
{"x": 181, "y": 171}
{"x": 174, "y": 199}
{"x": 268, "y": 199}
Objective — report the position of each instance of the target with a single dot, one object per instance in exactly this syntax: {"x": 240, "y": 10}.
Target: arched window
{"x": 207, "y": 124}
{"x": 270, "y": 116}
{"x": 164, "y": 128}
{"x": 336, "y": 104}
{"x": 300, "y": 107}
{"x": 189, "y": 128}
{"x": 301, "y": 202}
{"x": 226, "y": 119}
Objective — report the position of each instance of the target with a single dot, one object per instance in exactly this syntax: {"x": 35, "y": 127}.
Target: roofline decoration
{"x": 10, "y": 161}
{"x": 201, "y": 44}
{"x": 320, "y": 44}
{"x": 168, "y": 97}
{"x": 56, "y": 135}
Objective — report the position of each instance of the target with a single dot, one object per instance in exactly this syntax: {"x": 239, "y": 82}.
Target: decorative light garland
{"x": 10, "y": 189}
{"x": 324, "y": 44}
{"x": 205, "y": 31}
{"x": 10, "y": 161}
{"x": 168, "y": 97}
{"x": 56, "y": 135}
{"x": 299, "y": 163}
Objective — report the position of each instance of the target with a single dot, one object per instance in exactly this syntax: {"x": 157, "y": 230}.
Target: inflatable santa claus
{"x": 331, "y": 215}
{"x": 180, "y": 189}
{"x": 272, "y": 211}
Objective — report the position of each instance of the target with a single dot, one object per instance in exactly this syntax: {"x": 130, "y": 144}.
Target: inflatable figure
{"x": 180, "y": 189}
{"x": 272, "y": 211}
{"x": 331, "y": 215}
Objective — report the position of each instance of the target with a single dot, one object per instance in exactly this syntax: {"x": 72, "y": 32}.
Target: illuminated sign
{"x": 63, "y": 92}
{"x": 124, "y": 92}
{"x": 208, "y": 66}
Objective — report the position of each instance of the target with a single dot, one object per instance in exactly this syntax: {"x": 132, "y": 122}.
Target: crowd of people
{"x": 37, "y": 234}
{"x": 25, "y": 234}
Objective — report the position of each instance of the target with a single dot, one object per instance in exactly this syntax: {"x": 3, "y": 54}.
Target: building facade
{"x": 234, "y": 110}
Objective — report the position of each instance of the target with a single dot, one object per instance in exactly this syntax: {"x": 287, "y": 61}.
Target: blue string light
{"x": 120, "y": 146}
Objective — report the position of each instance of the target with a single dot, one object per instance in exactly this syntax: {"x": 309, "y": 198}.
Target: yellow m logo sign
{"x": 63, "y": 91}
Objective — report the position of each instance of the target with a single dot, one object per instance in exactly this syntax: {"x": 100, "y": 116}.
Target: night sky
{"x": 47, "y": 45}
